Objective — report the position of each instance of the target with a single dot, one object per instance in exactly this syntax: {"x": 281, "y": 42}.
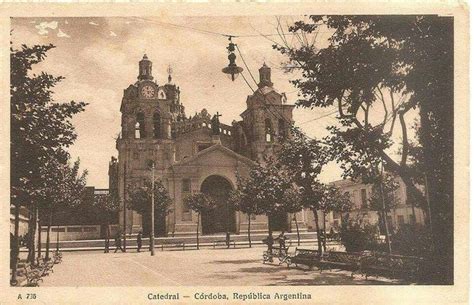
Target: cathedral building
{"x": 194, "y": 153}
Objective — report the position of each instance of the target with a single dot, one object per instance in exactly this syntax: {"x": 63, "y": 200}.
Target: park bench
{"x": 395, "y": 266}
{"x": 224, "y": 242}
{"x": 172, "y": 244}
{"x": 340, "y": 260}
{"x": 305, "y": 257}
{"x": 33, "y": 275}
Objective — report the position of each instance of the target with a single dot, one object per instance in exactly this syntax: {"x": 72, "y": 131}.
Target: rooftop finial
{"x": 170, "y": 71}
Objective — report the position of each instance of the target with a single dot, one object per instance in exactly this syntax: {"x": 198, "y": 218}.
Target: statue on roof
{"x": 215, "y": 124}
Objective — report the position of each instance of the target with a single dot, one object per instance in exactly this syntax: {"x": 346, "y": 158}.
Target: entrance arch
{"x": 222, "y": 218}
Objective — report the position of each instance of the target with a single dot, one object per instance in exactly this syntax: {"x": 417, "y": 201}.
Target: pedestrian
{"x": 139, "y": 241}
{"x": 107, "y": 245}
{"x": 118, "y": 243}
{"x": 282, "y": 241}
{"x": 227, "y": 239}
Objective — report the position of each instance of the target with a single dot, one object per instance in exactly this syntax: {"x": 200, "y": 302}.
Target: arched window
{"x": 281, "y": 129}
{"x": 140, "y": 126}
{"x": 156, "y": 125}
{"x": 268, "y": 131}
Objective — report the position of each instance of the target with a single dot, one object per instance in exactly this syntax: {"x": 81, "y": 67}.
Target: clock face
{"x": 148, "y": 91}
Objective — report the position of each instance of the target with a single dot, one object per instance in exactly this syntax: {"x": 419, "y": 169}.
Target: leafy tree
{"x": 140, "y": 201}
{"x": 106, "y": 206}
{"x": 332, "y": 200}
{"x": 401, "y": 67}
{"x": 303, "y": 159}
{"x": 64, "y": 186}
{"x": 199, "y": 203}
{"x": 241, "y": 199}
{"x": 39, "y": 128}
{"x": 266, "y": 190}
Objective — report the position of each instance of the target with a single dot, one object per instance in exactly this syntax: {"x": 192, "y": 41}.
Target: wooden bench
{"x": 305, "y": 257}
{"x": 223, "y": 241}
{"x": 396, "y": 266}
{"x": 172, "y": 243}
{"x": 33, "y": 275}
{"x": 340, "y": 260}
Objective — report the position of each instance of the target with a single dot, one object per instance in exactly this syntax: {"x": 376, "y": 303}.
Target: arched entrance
{"x": 222, "y": 218}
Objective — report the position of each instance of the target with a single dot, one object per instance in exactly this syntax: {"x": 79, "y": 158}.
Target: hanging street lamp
{"x": 232, "y": 70}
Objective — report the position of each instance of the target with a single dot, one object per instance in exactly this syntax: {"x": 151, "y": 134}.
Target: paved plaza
{"x": 206, "y": 267}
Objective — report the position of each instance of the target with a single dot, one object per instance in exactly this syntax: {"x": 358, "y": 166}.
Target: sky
{"x": 99, "y": 59}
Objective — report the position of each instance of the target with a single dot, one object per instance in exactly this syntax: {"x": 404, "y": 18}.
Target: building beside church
{"x": 194, "y": 154}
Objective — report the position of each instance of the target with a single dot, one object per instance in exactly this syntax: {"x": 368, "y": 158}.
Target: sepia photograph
{"x": 305, "y": 150}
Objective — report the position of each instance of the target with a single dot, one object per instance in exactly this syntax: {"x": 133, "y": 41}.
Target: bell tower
{"x": 144, "y": 68}
{"x": 267, "y": 119}
{"x": 147, "y": 114}
{"x": 265, "y": 76}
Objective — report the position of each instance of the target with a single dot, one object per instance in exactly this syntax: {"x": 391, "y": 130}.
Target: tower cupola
{"x": 265, "y": 76}
{"x": 144, "y": 67}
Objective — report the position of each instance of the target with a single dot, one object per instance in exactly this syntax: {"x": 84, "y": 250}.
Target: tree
{"x": 383, "y": 199}
{"x": 38, "y": 127}
{"x": 199, "y": 203}
{"x": 303, "y": 159}
{"x": 401, "y": 67}
{"x": 140, "y": 201}
{"x": 242, "y": 201}
{"x": 332, "y": 200}
{"x": 106, "y": 206}
{"x": 64, "y": 187}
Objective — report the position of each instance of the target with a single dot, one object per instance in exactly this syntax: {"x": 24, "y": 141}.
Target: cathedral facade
{"x": 195, "y": 154}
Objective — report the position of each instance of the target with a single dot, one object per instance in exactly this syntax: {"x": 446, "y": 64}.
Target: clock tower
{"x": 148, "y": 111}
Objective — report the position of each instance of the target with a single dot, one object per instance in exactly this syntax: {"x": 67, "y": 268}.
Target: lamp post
{"x": 152, "y": 235}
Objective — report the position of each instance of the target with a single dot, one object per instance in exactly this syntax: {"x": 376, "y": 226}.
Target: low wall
{"x": 76, "y": 232}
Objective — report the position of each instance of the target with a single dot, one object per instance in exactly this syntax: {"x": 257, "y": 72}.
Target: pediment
{"x": 216, "y": 155}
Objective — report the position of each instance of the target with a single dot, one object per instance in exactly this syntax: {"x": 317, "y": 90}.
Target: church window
{"x": 156, "y": 125}
{"x": 186, "y": 185}
{"x": 268, "y": 131}
{"x": 140, "y": 126}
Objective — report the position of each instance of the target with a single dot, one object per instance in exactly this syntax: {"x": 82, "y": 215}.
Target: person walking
{"x": 107, "y": 245}
{"x": 118, "y": 243}
{"x": 282, "y": 241}
{"x": 139, "y": 241}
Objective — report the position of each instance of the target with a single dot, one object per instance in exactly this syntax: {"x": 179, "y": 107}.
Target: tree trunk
{"x": 48, "y": 234}
{"x": 316, "y": 220}
{"x": 14, "y": 251}
{"x": 57, "y": 239}
{"x": 387, "y": 232}
{"x": 31, "y": 236}
{"x": 270, "y": 236}
{"x": 197, "y": 232}
{"x": 297, "y": 229}
{"x": 324, "y": 231}
{"x": 39, "y": 237}
{"x": 248, "y": 231}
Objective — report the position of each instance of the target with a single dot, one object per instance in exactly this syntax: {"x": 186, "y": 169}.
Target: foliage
{"x": 140, "y": 199}
{"x": 413, "y": 240}
{"x": 303, "y": 159}
{"x": 63, "y": 184}
{"x": 333, "y": 200}
{"x": 106, "y": 206}
{"x": 199, "y": 202}
{"x": 357, "y": 236}
{"x": 40, "y": 128}
{"x": 402, "y": 67}
{"x": 389, "y": 187}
